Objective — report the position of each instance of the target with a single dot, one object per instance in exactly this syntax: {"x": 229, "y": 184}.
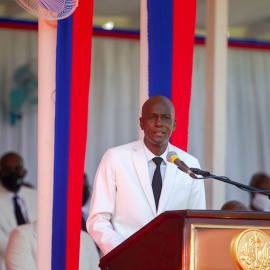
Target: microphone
{"x": 173, "y": 158}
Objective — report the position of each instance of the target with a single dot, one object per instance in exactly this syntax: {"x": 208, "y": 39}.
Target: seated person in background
{"x": 18, "y": 204}
{"x": 234, "y": 206}
{"x": 21, "y": 252}
{"x": 260, "y": 202}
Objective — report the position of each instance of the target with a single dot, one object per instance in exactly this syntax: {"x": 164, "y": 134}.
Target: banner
{"x": 73, "y": 62}
{"x": 170, "y": 36}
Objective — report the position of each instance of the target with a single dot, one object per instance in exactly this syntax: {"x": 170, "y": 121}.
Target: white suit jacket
{"x": 7, "y": 217}
{"x": 21, "y": 252}
{"x": 123, "y": 200}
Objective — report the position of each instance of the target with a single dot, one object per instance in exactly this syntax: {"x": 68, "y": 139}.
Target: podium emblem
{"x": 251, "y": 250}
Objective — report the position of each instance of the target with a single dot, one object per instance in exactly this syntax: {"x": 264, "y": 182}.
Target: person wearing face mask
{"x": 18, "y": 204}
{"x": 24, "y": 238}
{"x": 260, "y": 202}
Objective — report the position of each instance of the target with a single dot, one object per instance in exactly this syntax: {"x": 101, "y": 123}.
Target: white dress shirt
{"x": 151, "y": 164}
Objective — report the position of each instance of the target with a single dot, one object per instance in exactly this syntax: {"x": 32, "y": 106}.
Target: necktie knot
{"x": 157, "y": 161}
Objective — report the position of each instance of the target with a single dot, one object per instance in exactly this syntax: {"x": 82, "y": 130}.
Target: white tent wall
{"x": 18, "y": 48}
{"x": 248, "y": 114}
{"x": 114, "y": 100}
{"x": 113, "y": 117}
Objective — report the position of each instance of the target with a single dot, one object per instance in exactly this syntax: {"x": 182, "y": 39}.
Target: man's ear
{"x": 174, "y": 124}
{"x": 141, "y": 123}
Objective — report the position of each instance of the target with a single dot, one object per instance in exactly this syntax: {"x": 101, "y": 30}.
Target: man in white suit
{"x": 12, "y": 214}
{"x": 124, "y": 197}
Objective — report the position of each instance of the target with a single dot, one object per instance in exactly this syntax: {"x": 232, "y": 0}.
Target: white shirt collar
{"x": 150, "y": 155}
{"x": 11, "y": 194}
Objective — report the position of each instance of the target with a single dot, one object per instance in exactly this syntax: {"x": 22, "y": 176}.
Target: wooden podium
{"x": 199, "y": 240}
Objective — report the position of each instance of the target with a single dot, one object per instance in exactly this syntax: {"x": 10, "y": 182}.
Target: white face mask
{"x": 261, "y": 202}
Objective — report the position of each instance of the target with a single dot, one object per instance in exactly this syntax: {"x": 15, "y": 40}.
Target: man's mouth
{"x": 159, "y": 133}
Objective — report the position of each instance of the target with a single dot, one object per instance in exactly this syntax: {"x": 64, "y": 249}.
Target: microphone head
{"x": 170, "y": 155}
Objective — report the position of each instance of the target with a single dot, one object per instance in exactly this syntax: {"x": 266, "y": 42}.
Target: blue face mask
{"x": 12, "y": 181}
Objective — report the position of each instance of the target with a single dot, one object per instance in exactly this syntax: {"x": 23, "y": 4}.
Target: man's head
{"x": 260, "y": 181}
{"x": 234, "y": 206}
{"x": 12, "y": 171}
{"x": 260, "y": 202}
{"x": 158, "y": 122}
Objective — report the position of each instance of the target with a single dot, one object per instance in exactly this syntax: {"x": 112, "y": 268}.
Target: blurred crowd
{"x": 18, "y": 220}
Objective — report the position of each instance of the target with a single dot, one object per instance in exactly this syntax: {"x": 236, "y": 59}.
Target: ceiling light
{"x": 108, "y": 25}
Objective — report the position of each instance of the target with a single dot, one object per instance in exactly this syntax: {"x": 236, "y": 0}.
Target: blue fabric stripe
{"x": 117, "y": 31}
{"x": 160, "y": 41}
{"x": 61, "y": 148}
{"x": 136, "y": 32}
{"x": 19, "y": 22}
{"x": 249, "y": 42}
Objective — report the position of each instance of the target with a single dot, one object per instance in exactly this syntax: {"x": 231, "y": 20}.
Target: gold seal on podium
{"x": 251, "y": 250}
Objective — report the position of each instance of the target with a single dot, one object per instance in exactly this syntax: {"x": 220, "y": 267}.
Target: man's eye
{"x": 19, "y": 169}
{"x": 9, "y": 170}
{"x": 152, "y": 117}
{"x": 6, "y": 169}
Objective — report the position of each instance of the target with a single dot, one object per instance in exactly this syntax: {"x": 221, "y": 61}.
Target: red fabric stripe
{"x": 116, "y": 35}
{"x": 80, "y": 81}
{"x": 184, "y": 16}
{"x": 131, "y": 36}
{"x": 199, "y": 42}
{"x": 240, "y": 45}
{"x": 248, "y": 46}
{"x": 18, "y": 26}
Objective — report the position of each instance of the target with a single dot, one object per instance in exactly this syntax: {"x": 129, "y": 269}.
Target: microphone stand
{"x": 225, "y": 179}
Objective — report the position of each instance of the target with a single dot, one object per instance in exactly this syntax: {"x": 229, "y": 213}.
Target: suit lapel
{"x": 140, "y": 163}
{"x": 167, "y": 185}
{"x": 7, "y": 208}
{"x": 29, "y": 204}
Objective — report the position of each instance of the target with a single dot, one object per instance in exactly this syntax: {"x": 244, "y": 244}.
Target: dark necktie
{"x": 18, "y": 212}
{"x": 157, "y": 180}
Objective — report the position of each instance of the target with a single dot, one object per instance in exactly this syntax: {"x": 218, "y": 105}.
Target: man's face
{"x": 12, "y": 172}
{"x": 12, "y": 164}
{"x": 157, "y": 122}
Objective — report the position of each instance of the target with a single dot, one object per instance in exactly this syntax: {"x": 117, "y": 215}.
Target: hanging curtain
{"x": 114, "y": 99}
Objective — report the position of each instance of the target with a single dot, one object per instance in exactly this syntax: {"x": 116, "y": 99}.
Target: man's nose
{"x": 159, "y": 121}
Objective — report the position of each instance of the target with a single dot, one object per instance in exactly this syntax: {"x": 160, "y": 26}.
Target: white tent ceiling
{"x": 247, "y": 18}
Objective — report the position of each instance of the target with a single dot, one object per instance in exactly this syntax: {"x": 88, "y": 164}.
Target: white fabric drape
{"x": 248, "y": 127}
{"x": 248, "y": 113}
{"x": 18, "y": 48}
{"x": 113, "y": 117}
{"x": 114, "y": 100}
